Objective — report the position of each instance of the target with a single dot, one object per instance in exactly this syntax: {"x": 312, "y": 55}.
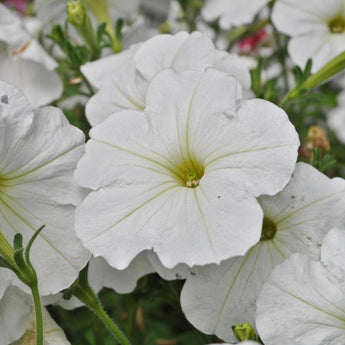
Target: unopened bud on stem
{"x": 78, "y": 17}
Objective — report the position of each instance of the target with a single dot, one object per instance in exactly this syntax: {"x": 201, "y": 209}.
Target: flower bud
{"x": 76, "y": 14}
{"x": 244, "y": 331}
{"x": 78, "y": 17}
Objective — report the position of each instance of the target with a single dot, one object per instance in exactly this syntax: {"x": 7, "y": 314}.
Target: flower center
{"x": 189, "y": 173}
{"x": 337, "y": 25}
{"x": 192, "y": 180}
{"x": 269, "y": 229}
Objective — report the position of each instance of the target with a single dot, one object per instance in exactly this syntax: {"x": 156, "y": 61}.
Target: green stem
{"x": 331, "y": 68}
{"x": 111, "y": 325}
{"x": 83, "y": 291}
{"x": 38, "y": 313}
{"x": 100, "y": 10}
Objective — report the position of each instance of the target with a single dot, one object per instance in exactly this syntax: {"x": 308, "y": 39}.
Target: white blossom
{"x": 316, "y": 27}
{"x": 295, "y": 221}
{"x": 39, "y": 150}
{"x": 23, "y": 61}
{"x": 182, "y": 177}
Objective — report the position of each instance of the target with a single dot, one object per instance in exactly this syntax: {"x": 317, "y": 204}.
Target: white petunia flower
{"x": 182, "y": 177}
{"x": 316, "y": 27}
{"x": 39, "y": 150}
{"x": 123, "y": 78}
{"x": 295, "y": 221}
{"x": 303, "y": 302}
{"x": 18, "y": 324}
{"x": 232, "y": 12}
{"x": 23, "y": 61}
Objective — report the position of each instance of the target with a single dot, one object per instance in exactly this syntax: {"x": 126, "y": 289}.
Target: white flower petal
{"x": 106, "y": 68}
{"x": 35, "y": 52}
{"x": 213, "y": 216}
{"x": 49, "y": 16}
{"x": 180, "y": 52}
{"x": 181, "y": 106}
{"x": 294, "y": 17}
{"x": 215, "y": 298}
{"x": 181, "y": 271}
{"x": 15, "y": 308}
{"x": 6, "y": 277}
{"x": 333, "y": 248}
{"x": 40, "y": 86}
{"x": 13, "y": 105}
{"x": 122, "y": 281}
{"x": 122, "y": 8}
{"x": 52, "y": 333}
{"x": 247, "y": 143}
{"x": 121, "y": 93}
{"x": 12, "y": 32}
{"x": 302, "y": 302}
{"x": 121, "y": 152}
{"x": 322, "y": 48}
{"x": 232, "y": 12}
{"x": 234, "y": 66}
{"x": 40, "y": 163}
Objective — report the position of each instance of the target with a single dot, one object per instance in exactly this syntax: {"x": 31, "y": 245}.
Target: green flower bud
{"x": 244, "y": 331}
{"x": 76, "y": 13}
{"x": 79, "y": 18}
{"x": 165, "y": 28}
